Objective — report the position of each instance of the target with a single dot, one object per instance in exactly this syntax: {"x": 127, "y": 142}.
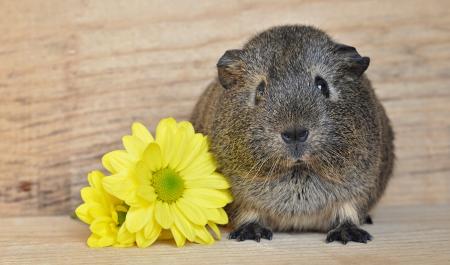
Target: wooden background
{"x": 75, "y": 74}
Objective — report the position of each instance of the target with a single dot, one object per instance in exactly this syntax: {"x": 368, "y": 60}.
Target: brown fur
{"x": 348, "y": 157}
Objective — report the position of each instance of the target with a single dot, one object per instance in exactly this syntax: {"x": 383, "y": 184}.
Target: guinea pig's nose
{"x": 295, "y": 135}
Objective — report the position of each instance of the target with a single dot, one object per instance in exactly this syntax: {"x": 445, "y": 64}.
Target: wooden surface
{"x": 75, "y": 74}
{"x": 402, "y": 235}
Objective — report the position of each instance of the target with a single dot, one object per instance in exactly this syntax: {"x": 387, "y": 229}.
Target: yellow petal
{"x": 163, "y": 214}
{"x": 114, "y": 215}
{"x": 182, "y": 223}
{"x": 83, "y": 214}
{"x": 136, "y": 201}
{"x": 141, "y": 241}
{"x": 134, "y": 146}
{"x": 187, "y": 126}
{"x": 117, "y": 161}
{"x": 137, "y": 217}
{"x": 195, "y": 145}
{"x": 223, "y": 217}
{"x": 208, "y": 198}
{"x": 178, "y": 236}
{"x": 93, "y": 241}
{"x": 147, "y": 193}
{"x": 216, "y": 230}
{"x": 167, "y": 125}
{"x": 107, "y": 241}
{"x": 179, "y": 148}
{"x": 152, "y": 157}
{"x": 124, "y": 236}
{"x": 218, "y": 216}
{"x": 184, "y": 147}
{"x": 151, "y": 224}
{"x": 214, "y": 181}
{"x": 119, "y": 245}
{"x": 171, "y": 151}
{"x": 202, "y": 235}
{"x": 101, "y": 226}
{"x": 139, "y": 130}
{"x": 165, "y": 131}
{"x": 97, "y": 210}
{"x": 89, "y": 194}
{"x": 120, "y": 186}
{"x": 152, "y": 234}
{"x": 202, "y": 166}
{"x": 191, "y": 211}
{"x": 142, "y": 174}
{"x": 95, "y": 179}
{"x": 112, "y": 199}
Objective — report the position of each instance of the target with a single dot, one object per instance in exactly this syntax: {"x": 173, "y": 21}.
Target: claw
{"x": 253, "y": 231}
{"x": 347, "y": 232}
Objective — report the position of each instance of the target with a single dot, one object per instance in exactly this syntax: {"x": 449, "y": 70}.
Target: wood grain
{"x": 402, "y": 235}
{"x": 75, "y": 74}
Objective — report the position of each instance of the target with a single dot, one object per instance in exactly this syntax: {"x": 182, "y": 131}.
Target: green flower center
{"x": 121, "y": 210}
{"x": 169, "y": 186}
{"x": 121, "y": 218}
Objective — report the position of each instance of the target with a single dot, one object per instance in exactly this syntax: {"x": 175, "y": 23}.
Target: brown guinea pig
{"x": 297, "y": 128}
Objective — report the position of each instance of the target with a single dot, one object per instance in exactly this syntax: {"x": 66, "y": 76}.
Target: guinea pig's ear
{"x": 229, "y": 68}
{"x": 356, "y": 63}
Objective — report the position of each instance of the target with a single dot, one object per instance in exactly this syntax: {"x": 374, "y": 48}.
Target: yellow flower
{"x": 169, "y": 183}
{"x": 104, "y": 213}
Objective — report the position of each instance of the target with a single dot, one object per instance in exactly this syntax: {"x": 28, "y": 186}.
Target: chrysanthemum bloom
{"x": 104, "y": 213}
{"x": 169, "y": 183}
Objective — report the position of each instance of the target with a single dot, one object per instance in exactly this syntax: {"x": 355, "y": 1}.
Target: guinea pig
{"x": 295, "y": 125}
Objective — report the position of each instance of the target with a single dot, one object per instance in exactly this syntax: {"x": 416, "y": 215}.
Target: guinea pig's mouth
{"x": 302, "y": 160}
{"x": 298, "y": 162}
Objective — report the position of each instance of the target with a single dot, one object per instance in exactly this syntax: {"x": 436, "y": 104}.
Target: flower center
{"x": 121, "y": 218}
{"x": 169, "y": 186}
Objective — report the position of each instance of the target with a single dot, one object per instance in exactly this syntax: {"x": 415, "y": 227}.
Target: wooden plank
{"x": 402, "y": 235}
{"x": 75, "y": 74}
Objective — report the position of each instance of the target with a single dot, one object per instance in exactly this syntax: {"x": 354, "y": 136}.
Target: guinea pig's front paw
{"x": 253, "y": 231}
{"x": 346, "y": 232}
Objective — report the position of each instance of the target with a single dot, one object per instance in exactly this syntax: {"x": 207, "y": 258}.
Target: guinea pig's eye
{"x": 260, "y": 89}
{"x": 322, "y": 85}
